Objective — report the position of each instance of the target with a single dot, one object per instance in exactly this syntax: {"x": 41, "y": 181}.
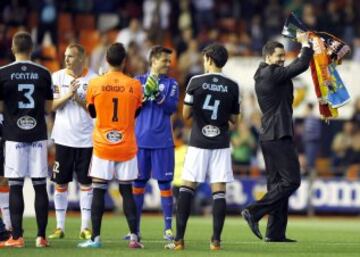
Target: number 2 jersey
{"x": 116, "y": 98}
{"x": 24, "y": 88}
{"x": 213, "y": 98}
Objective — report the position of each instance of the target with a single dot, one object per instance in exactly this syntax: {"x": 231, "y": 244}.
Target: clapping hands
{"x": 74, "y": 85}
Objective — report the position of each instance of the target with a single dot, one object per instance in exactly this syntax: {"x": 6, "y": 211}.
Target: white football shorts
{"x": 107, "y": 170}
{"x": 26, "y": 159}
{"x": 212, "y": 165}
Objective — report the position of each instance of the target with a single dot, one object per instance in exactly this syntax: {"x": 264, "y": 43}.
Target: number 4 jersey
{"x": 213, "y": 98}
{"x": 24, "y": 88}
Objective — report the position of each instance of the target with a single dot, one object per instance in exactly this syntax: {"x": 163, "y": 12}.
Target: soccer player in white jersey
{"x": 72, "y": 136}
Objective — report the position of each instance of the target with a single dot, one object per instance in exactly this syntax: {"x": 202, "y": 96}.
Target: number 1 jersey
{"x": 116, "y": 98}
{"x": 24, "y": 88}
{"x": 213, "y": 98}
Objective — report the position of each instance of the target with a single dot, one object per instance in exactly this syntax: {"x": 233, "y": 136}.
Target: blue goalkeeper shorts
{"x": 156, "y": 163}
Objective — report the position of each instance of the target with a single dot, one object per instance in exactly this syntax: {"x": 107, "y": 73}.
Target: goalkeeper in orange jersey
{"x": 114, "y": 99}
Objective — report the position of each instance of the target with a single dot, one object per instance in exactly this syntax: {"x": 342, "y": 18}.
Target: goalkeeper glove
{"x": 151, "y": 88}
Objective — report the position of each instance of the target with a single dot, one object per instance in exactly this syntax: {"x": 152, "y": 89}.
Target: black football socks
{"x": 183, "y": 210}
{"x": 219, "y": 212}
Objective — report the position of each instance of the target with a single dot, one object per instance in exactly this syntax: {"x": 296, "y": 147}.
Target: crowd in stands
{"x": 243, "y": 26}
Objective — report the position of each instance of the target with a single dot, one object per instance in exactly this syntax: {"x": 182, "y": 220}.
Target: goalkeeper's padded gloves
{"x": 151, "y": 88}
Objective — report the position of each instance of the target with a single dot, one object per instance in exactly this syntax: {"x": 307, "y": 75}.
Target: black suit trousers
{"x": 283, "y": 178}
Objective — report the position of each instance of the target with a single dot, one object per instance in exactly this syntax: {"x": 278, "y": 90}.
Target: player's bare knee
{"x": 87, "y": 187}
{"x": 99, "y": 184}
{"x": 189, "y": 184}
{"x": 218, "y": 187}
{"x": 61, "y": 187}
{"x": 3, "y": 181}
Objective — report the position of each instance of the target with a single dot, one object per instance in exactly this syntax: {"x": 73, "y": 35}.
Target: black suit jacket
{"x": 274, "y": 90}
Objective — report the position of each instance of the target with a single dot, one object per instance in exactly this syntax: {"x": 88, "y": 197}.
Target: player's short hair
{"x": 22, "y": 43}
{"x": 116, "y": 54}
{"x": 156, "y": 52}
{"x": 80, "y": 48}
{"x": 269, "y": 48}
{"x": 217, "y": 53}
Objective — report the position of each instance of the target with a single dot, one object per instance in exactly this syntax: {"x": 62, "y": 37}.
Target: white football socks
{"x": 61, "y": 204}
{"x": 5, "y": 211}
{"x": 86, "y": 196}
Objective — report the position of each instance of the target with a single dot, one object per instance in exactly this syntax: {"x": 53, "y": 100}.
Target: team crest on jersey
{"x": 26, "y": 122}
{"x": 210, "y": 131}
{"x": 114, "y": 136}
{"x": 161, "y": 87}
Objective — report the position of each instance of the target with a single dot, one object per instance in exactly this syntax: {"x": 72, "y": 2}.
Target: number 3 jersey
{"x": 213, "y": 98}
{"x": 24, "y": 88}
{"x": 73, "y": 125}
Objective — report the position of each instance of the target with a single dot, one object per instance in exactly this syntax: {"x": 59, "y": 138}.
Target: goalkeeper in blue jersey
{"x": 154, "y": 134}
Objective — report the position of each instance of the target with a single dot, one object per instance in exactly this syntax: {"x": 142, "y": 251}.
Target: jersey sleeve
{"x": 236, "y": 101}
{"x": 189, "y": 93}
{"x": 139, "y": 92}
{"x": 49, "y": 94}
{"x": 90, "y": 92}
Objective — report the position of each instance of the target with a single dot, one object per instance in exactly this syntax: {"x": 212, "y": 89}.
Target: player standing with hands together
{"x": 72, "y": 136}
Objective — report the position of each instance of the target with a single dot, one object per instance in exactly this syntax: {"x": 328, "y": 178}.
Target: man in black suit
{"x": 274, "y": 90}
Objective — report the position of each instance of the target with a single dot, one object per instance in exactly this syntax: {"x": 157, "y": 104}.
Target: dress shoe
{"x": 283, "y": 240}
{"x": 254, "y": 226}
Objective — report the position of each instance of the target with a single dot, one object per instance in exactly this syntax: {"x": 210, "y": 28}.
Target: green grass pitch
{"x": 317, "y": 237}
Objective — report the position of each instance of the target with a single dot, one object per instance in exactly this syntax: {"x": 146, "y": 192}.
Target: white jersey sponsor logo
{"x": 210, "y": 131}
{"x": 26, "y": 122}
{"x": 114, "y": 136}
